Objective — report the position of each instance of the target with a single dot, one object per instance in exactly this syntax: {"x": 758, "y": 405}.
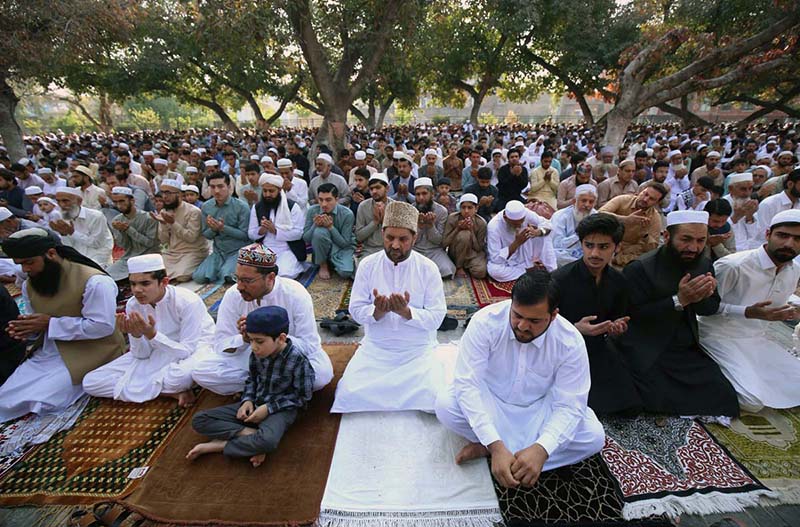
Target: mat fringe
{"x": 789, "y": 496}
{"x": 711, "y": 503}
{"x": 488, "y": 517}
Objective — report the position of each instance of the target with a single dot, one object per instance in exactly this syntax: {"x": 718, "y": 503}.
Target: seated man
{"x": 465, "y": 238}
{"x": 134, "y": 230}
{"x": 258, "y": 284}
{"x": 276, "y": 221}
{"x": 329, "y": 230}
{"x": 754, "y": 288}
{"x": 668, "y": 288}
{"x": 370, "y": 216}
{"x": 399, "y": 298}
{"x": 180, "y": 229}
{"x": 619, "y": 185}
{"x": 225, "y": 222}
{"x": 520, "y": 388}
{"x": 486, "y": 194}
{"x": 70, "y": 304}
{"x": 566, "y": 243}
{"x": 594, "y": 297}
{"x": 432, "y": 218}
{"x": 567, "y": 188}
{"x": 82, "y": 228}
{"x": 745, "y": 211}
{"x": 721, "y": 240}
{"x": 169, "y": 329}
{"x": 642, "y": 220}
{"x": 517, "y": 242}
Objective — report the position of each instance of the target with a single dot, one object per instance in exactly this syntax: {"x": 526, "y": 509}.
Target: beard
{"x": 173, "y": 205}
{"x": 424, "y": 207}
{"x": 48, "y": 281}
{"x": 686, "y": 258}
{"x": 579, "y": 215}
{"x": 397, "y": 256}
{"x": 71, "y": 213}
{"x": 783, "y": 255}
{"x": 271, "y": 203}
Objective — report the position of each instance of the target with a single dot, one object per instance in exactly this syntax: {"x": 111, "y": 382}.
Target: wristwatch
{"x": 676, "y": 303}
{"x": 544, "y": 230}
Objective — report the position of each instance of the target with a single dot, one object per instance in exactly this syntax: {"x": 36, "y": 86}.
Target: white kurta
{"x": 299, "y": 193}
{"x": 394, "y": 367}
{"x": 768, "y": 208}
{"x": 762, "y": 371}
{"x": 225, "y": 372}
{"x": 745, "y": 234}
{"x": 566, "y": 243}
{"x": 91, "y": 238}
{"x": 500, "y": 236}
{"x": 520, "y": 393}
{"x": 288, "y": 265}
{"x": 42, "y": 384}
{"x": 184, "y": 336}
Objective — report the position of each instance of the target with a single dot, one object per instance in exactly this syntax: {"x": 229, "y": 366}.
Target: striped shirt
{"x": 282, "y": 381}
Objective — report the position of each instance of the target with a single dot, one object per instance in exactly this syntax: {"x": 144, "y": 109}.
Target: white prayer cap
{"x": 398, "y": 155}
{"x": 254, "y": 157}
{"x": 772, "y": 142}
{"x": 72, "y": 191}
{"x": 431, "y": 152}
{"x": 33, "y": 189}
{"x": 679, "y": 217}
{"x": 266, "y": 159}
{"x": 325, "y": 157}
{"x": 185, "y": 145}
{"x": 360, "y": 155}
{"x": 271, "y": 179}
{"x": 273, "y": 149}
{"x": 468, "y": 198}
{"x": 370, "y": 151}
{"x": 423, "y": 182}
{"x": 147, "y": 153}
{"x": 713, "y": 153}
{"x": 4, "y": 214}
{"x": 124, "y": 146}
{"x": 146, "y": 263}
{"x": 191, "y": 170}
{"x": 379, "y": 176}
{"x": 48, "y": 200}
{"x": 196, "y": 151}
{"x": 763, "y": 155}
{"x": 190, "y": 188}
{"x": 715, "y": 138}
{"x": 298, "y": 172}
{"x": 160, "y": 161}
{"x": 201, "y": 150}
{"x": 739, "y": 178}
{"x": 211, "y": 163}
{"x": 24, "y": 161}
{"x": 43, "y": 171}
{"x": 701, "y": 146}
{"x": 785, "y": 216}
{"x": 786, "y": 153}
{"x": 674, "y": 153}
{"x": 284, "y": 163}
{"x": 649, "y": 152}
{"x": 673, "y": 138}
{"x": 606, "y": 150}
{"x": 585, "y": 189}
{"x": 171, "y": 183}
{"x": 125, "y": 191}
{"x": 515, "y": 210}
{"x": 519, "y": 143}
{"x": 497, "y": 151}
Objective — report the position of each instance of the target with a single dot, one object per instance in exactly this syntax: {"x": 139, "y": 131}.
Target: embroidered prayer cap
{"x": 402, "y": 215}
{"x": 125, "y": 191}
{"x": 211, "y": 163}
{"x": 171, "y": 183}
{"x": 585, "y": 189}
{"x": 713, "y": 153}
{"x": 325, "y": 157}
{"x": 431, "y": 152}
{"x": 266, "y": 159}
{"x": 514, "y": 210}
{"x": 360, "y": 155}
{"x": 256, "y": 255}
{"x": 627, "y": 162}
{"x": 83, "y": 170}
{"x": 468, "y": 198}
{"x": 28, "y": 243}
{"x": 785, "y": 216}
{"x": 32, "y": 190}
{"x": 423, "y": 182}
{"x": 284, "y": 163}
{"x": 4, "y": 214}
{"x": 679, "y": 217}
{"x": 146, "y": 263}
{"x": 72, "y": 191}
{"x": 190, "y": 188}
{"x": 739, "y": 178}
{"x": 43, "y": 171}
{"x": 379, "y": 176}
{"x": 267, "y": 320}
{"x": 271, "y": 179}
{"x": 160, "y": 161}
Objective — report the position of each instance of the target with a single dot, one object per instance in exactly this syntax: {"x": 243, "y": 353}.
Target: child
{"x": 47, "y": 211}
{"x": 280, "y": 383}
{"x": 444, "y": 197}
{"x": 191, "y": 195}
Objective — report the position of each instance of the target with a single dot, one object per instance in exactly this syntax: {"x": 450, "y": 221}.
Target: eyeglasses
{"x": 247, "y": 281}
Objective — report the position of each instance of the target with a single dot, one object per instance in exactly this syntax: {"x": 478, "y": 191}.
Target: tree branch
{"x": 285, "y": 100}
{"x": 74, "y": 101}
{"x": 308, "y": 106}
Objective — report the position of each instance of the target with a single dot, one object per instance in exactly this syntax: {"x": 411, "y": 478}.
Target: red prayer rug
{"x": 675, "y": 468}
{"x": 488, "y": 291}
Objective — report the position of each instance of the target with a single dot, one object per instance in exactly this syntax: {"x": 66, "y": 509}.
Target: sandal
{"x": 83, "y": 518}
{"x": 111, "y": 514}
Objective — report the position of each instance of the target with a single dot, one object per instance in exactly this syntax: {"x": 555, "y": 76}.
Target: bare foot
{"x": 324, "y": 272}
{"x": 185, "y": 399}
{"x": 216, "y": 445}
{"x": 257, "y": 460}
{"x": 470, "y": 452}
{"x": 460, "y": 273}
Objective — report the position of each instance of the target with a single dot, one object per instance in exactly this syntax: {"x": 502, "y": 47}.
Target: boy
{"x": 444, "y": 198}
{"x": 361, "y": 190}
{"x": 280, "y": 383}
{"x": 191, "y": 195}
{"x": 47, "y": 211}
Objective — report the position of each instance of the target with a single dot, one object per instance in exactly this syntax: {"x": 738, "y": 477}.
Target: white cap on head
{"x": 497, "y": 151}
{"x": 398, "y": 155}
{"x": 125, "y": 191}
{"x": 713, "y": 153}
{"x": 211, "y": 163}
{"x": 431, "y": 152}
{"x": 43, "y": 171}
{"x": 674, "y": 153}
{"x": 266, "y": 159}
{"x": 48, "y": 200}
{"x": 468, "y": 198}
{"x": 515, "y": 210}
{"x": 325, "y": 157}
{"x": 273, "y": 149}
{"x": 379, "y": 176}
{"x": 271, "y": 179}
{"x": 298, "y": 172}
{"x": 4, "y": 214}
{"x": 284, "y": 163}
{"x": 423, "y": 182}
{"x": 585, "y": 189}
{"x": 739, "y": 178}
{"x": 24, "y": 161}
{"x": 370, "y": 151}
{"x": 785, "y": 216}
{"x": 679, "y": 217}
{"x": 360, "y": 155}
{"x": 255, "y": 157}
{"x": 190, "y": 188}
{"x": 160, "y": 161}
{"x": 786, "y": 153}
{"x": 191, "y": 170}
{"x": 171, "y": 183}
{"x": 763, "y": 155}
{"x": 147, "y": 153}
{"x": 146, "y": 263}
{"x": 72, "y": 191}
{"x": 202, "y": 150}
{"x": 32, "y": 190}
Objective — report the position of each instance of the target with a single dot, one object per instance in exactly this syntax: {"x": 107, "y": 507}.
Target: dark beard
{"x": 684, "y": 264}
{"x": 173, "y": 205}
{"x": 428, "y": 207}
{"x": 48, "y": 281}
{"x": 271, "y": 204}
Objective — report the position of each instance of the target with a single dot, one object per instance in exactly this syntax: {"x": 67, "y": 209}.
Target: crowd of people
{"x": 646, "y": 276}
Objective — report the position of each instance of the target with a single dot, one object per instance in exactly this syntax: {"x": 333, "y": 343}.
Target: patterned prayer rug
{"x": 460, "y": 297}
{"x": 329, "y": 295}
{"x": 94, "y": 459}
{"x": 8, "y": 430}
{"x": 675, "y": 468}
{"x": 768, "y": 444}
{"x": 488, "y": 291}
{"x": 13, "y": 290}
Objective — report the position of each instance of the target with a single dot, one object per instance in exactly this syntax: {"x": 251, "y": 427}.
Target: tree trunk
{"x": 758, "y": 114}
{"x": 261, "y": 122}
{"x": 9, "y": 128}
{"x": 333, "y": 130}
{"x": 585, "y": 110}
{"x": 359, "y": 115}
{"x": 477, "y": 100}
{"x": 106, "y": 121}
{"x": 384, "y": 109}
{"x": 688, "y": 118}
{"x": 371, "y": 113}
{"x": 217, "y": 109}
{"x": 617, "y": 122}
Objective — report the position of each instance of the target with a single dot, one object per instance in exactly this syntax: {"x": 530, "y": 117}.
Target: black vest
{"x": 298, "y": 247}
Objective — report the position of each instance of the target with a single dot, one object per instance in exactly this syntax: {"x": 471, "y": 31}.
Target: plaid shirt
{"x": 282, "y": 381}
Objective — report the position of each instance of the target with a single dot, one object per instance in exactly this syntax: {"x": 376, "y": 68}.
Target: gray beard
{"x": 578, "y": 215}
{"x": 71, "y": 214}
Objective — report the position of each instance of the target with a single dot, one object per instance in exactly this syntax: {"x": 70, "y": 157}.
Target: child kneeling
{"x": 280, "y": 384}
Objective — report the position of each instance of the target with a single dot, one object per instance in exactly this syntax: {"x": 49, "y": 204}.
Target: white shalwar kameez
{"x": 394, "y": 368}
{"x": 745, "y": 234}
{"x": 500, "y": 235}
{"x": 184, "y": 336}
{"x": 225, "y": 372}
{"x": 91, "y": 236}
{"x": 42, "y": 384}
{"x": 287, "y": 263}
{"x": 762, "y": 372}
{"x": 520, "y": 393}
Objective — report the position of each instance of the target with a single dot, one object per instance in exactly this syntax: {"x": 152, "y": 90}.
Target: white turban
{"x": 585, "y": 189}
{"x": 283, "y": 217}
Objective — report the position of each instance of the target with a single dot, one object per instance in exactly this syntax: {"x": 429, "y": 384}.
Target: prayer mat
{"x": 768, "y": 444}
{"x": 207, "y": 290}
{"x": 460, "y": 297}
{"x": 398, "y": 469}
{"x": 93, "y": 460}
{"x": 488, "y": 291}
{"x": 308, "y": 275}
{"x": 286, "y": 490}
{"x": 213, "y": 297}
{"x": 13, "y": 290}
{"x": 328, "y": 295}
{"x": 674, "y": 469}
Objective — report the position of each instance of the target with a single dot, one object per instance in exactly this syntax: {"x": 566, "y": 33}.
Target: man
{"x": 745, "y": 211}
{"x": 721, "y": 238}
{"x": 517, "y": 241}
{"x": 11, "y": 196}
{"x": 277, "y": 222}
{"x": 605, "y": 167}
{"x": 754, "y": 288}
{"x": 121, "y": 178}
{"x": 642, "y": 220}
{"x": 787, "y": 200}
{"x": 134, "y": 230}
{"x": 225, "y": 222}
{"x": 257, "y": 285}
{"x": 169, "y": 328}
{"x": 544, "y": 181}
{"x": 486, "y": 193}
{"x": 360, "y": 161}
{"x": 431, "y": 169}
{"x": 520, "y": 388}
{"x": 432, "y": 218}
{"x": 51, "y": 182}
{"x": 325, "y": 175}
{"x": 566, "y": 243}
{"x": 402, "y": 185}
{"x": 465, "y": 238}
{"x": 677, "y": 177}
{"x": 249, "y": 192}
{"x": 370, "y": 216}
{"x": 618, "y": 185}
{"x": 162, "y": 172}
{"x": 710, "y": 169}
{"x": 83, "y": 229}
{"x": 180, "y": 229}
{"x": 594, "y": 297}
{"x": 92, "y": 196}
{"x": 294, "y": 185}
{"x": 70, "y": 304}
{"x": 329, "y": 230}
{"x": 360, "y": 191}
{"x": 398, "y": 297}
{"x": 469, "y": 174}
{"x": 512, "y": 178}
{"x": 566, "y": 189}
{"x": 669, "y": 288}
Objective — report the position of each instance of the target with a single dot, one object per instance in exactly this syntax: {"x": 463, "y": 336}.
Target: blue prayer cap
{"x": 268, "y": 320}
